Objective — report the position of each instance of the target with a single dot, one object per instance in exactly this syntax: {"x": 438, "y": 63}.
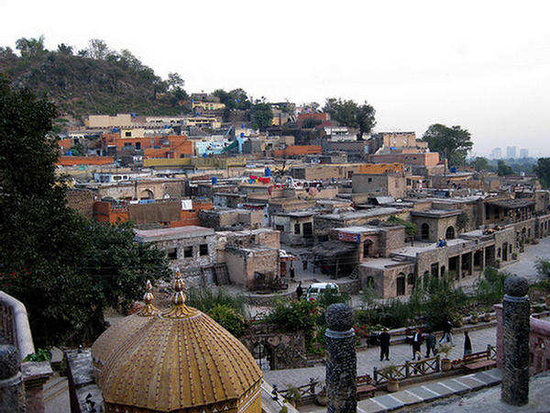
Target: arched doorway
{"x": 425, "y": 231}
{"x": 450, "y": 233}
{"x": 147, "y": 194}
{"x": 401, "y": 284}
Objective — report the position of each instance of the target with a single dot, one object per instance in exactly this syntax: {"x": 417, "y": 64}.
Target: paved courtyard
{"x": 526, "y": 264}
{"x": 368, "y": 359}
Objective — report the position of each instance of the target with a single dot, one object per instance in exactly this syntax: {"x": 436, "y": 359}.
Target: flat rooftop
{"x": 437, "y": 213}
{"x": 374, "y": 212}
{"x": 166, "y": 234}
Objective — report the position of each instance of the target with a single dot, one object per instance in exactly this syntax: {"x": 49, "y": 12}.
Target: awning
{"x": 334, "y": 248}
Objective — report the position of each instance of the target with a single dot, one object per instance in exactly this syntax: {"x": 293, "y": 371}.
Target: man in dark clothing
{"x": 467, "y": 344}
{"x": 292, "y": 271}
{"x": 416, "y": 342}
{"x": 384, "y": 338}
{"x": 430, "y": 344}
{"x": 299, "y": 291}
{"x": 447, "y": 332}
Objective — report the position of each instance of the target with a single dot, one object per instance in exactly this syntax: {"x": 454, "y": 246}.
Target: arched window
{"x": 450, "y": 233}
{"x": 425, "y": 231}
{"x": 411, "y": 279}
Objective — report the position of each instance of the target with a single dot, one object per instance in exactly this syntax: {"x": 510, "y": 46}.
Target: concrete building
{"x": 296, "y": 227}
{"x": 188, "y": 248}
{"x": 390, "y": 184}
{"x": 511, "y": 152}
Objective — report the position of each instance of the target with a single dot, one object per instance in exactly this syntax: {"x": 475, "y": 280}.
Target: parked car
{"x": 316, "y": 289}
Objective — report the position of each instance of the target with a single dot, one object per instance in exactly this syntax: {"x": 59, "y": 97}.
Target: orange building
{"x": 85, "y": 160}
{"x": 171, "y": 146}
{"x": 165, "y": 213}
{"x": 298, "y": 150}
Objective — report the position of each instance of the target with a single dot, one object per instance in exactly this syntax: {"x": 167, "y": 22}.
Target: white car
{"x": 315, "y": 290}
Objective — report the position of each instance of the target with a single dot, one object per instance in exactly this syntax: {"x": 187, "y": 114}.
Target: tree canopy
{"x": 350, "y": 114}
{"x": 262, "y": 115}
{"x": 65, "y": 269}
{"x": 452, "y": 143}
{"x": 503, "y": 169}
{"x": 480, "y": 164}
{"x": 542, "y": 169}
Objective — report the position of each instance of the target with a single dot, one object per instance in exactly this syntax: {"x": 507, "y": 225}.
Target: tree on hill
{"x": 350, "y": 114}
{"x": 480, "y": 164}
{"x": 262, "y": 115}
{"x": 65, "y": 269}
{"x": 96, "y": 80}
{"x": 452, "y": 143}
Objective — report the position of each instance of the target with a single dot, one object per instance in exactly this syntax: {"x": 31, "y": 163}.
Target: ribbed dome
{"x": 175, "y": 360}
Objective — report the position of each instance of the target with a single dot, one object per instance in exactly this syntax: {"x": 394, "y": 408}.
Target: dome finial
{"x": 179, "y": 309}
{"x": 148, "y": 309}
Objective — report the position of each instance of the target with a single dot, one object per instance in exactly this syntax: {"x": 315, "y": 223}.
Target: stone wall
{"x": 243, "y": 263}
{"x": 383, "y": 280}
{"x": 380, "y": 184}
{"x": 282, "y": 350}
{"x": 81, "y": 200}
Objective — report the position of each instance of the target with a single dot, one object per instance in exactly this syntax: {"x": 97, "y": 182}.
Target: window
{"x": 128, "y": 134}
{"x": 297, "y": 229}
{"x": 203, "y": 250}
{"x": 138, "y": 145}
{"x": 279, "y": 227}
{"x": 188, "y": 252}
{"x": 127, "y": 144}
{"x": 370, "y": 180}
{"x": 172, "y": 253}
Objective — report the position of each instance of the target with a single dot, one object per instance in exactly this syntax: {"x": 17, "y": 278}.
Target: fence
{"x": 407, "y": 370}
{"x": 305, "y": 394}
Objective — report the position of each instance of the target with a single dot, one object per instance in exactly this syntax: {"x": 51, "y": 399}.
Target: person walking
{"x": 384, "y": 338}
{"x": 292, "y": 271}
{"x": 299, "y": 291}
{"x": 430, "y": 344}
{"x": 467, "y": 344}
{"x": 416, "y": 342}
{"x": 447, "y": 332}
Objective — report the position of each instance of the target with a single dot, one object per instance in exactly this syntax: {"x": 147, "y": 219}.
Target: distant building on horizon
{"x": 524, "y": 153}
{"x": 511, "y": 152}
{"x": 496, "y": 153}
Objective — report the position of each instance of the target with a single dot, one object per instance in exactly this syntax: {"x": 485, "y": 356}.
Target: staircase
{"x": 56, "y": 394}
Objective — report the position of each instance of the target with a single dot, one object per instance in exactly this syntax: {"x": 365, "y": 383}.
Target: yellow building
{"x": 178, "y": 360}
{"x": 380, "y": 168}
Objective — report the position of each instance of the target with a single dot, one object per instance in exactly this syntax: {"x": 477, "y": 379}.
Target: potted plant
{"x": 391, "y": 372}
{"x": 321, "y": 398}
{"x": 293, "y": 396}
{"x": 474, "y": 318}
{"x": 445, "y": 349}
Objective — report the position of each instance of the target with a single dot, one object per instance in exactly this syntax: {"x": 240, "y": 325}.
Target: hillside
{"x": 81, "y": 85}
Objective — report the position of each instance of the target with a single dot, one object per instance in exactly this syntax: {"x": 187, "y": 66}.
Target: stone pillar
{"x": 515, "y": 342}
{"x": 12, "y": 391}
{"x": 341, "y": 374}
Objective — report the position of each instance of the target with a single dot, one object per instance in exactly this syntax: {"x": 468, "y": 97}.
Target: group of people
{"x": 418, "y": 338}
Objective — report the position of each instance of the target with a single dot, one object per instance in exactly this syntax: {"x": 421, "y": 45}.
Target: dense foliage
{"x": 262, "y": 115}
{"x": 542, "y": 169}
{"x": 95, "y": 80}
{"x": 65, "y": 269}
{"x": 351, "y": 114}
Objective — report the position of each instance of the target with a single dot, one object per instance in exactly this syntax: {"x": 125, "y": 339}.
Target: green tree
{"x": 64, "y": 268}
{"x": 542, "y": 169}
{"x": 30, "y": 47}
{"x": 262, "y": 115}
{"x": 503, "y": 169}
{"x": 235, "y": 99}
{"x": 64, "y": 49}
{"x": 350, "y": 114}
{"x": 97, "y": 49}
{"x": 480, "y": 164}
{"x": 452, "y": 143}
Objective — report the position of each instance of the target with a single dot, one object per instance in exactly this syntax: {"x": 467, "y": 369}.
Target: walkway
{"x": 368, "y": 359}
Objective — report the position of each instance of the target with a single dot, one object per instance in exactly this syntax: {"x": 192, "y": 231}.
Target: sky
{"x": 483, "y": 65}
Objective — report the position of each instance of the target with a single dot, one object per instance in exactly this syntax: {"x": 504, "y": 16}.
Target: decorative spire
{"x": 179, "y": 309}
{"x": 148, "y": 309}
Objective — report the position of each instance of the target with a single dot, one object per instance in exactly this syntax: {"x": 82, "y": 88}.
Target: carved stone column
{"x": 341, "y": 374}
{"x": 515, "y": 342}
{"x": 12, "y": 391}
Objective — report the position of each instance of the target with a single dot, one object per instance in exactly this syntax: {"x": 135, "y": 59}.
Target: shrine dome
{"x": 179, "y": 360}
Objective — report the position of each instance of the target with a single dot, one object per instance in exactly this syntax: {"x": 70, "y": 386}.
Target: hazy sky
{"x": 484, "y": 65}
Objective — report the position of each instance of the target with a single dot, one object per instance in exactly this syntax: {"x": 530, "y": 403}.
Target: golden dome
{"x": 177, "y": 360}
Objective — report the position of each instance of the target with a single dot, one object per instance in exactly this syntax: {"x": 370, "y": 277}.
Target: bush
{"x": 229, "y": 319}
{"x": 206, "y": 299}
{"x": 490, "y": 290}
{"x": 332, "y": 296}
{"x": 293, "y": 316}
